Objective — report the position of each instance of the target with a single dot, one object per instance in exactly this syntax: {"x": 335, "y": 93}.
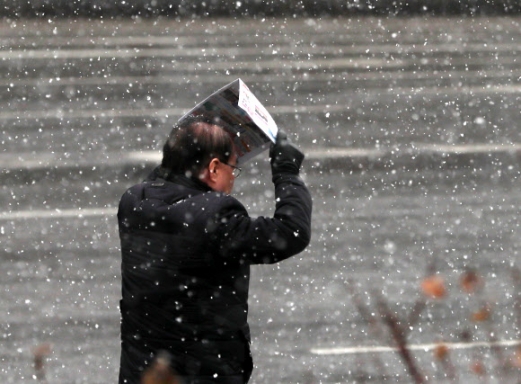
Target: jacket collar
{"x": 163, "y": 173}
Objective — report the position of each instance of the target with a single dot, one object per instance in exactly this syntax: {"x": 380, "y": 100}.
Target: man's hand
{"x": 285, "y": 157}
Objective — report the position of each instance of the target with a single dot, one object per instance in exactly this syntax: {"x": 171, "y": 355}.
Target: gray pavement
{"x": 410, "y": 127}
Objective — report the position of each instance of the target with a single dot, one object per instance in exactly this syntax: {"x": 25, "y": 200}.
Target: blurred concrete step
{"x": 30, "y": 167}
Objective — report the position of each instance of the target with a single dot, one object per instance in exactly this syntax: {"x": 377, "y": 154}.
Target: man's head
{"x": 200, "y": 148}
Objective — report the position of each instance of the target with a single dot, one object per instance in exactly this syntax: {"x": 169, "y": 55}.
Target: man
{"x": 187, "y": 247}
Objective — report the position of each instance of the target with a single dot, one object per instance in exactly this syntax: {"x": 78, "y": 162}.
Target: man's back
{"x": 178, "y": 295}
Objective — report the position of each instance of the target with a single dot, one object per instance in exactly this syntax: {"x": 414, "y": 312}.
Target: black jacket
{"x": 186, "y": 256}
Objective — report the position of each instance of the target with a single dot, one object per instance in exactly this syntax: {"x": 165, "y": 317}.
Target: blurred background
{"x": 408, "y": 112}
{"x": 256, "y": 8}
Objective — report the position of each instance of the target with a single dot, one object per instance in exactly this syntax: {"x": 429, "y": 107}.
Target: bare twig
{"x": 399, "y": 336}
{"x": 40, "y": 353}
{"x": 416, "y": 311}
{"x": 366, "y": 314}
{"x": 516, "y": 278}
{"x": 370, "y": 319}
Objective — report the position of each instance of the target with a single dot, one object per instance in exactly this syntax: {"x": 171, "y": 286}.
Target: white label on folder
{"x": 256, "y": 111}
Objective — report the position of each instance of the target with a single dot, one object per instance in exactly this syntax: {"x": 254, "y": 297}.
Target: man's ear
{"x": 212, "y": 167}
{"x": 210, "y": 172}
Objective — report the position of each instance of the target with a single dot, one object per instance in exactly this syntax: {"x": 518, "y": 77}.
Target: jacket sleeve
{"x": 265, "y": 240}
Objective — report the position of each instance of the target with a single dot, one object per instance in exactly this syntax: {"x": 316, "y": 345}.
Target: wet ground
{"x": 410, "y": 126}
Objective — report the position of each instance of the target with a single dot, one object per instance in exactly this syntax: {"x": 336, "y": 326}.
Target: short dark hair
{"x": 193, "y": 142}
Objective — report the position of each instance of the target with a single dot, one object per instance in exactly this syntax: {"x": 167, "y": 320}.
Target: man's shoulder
{"x": 216, "y": 198}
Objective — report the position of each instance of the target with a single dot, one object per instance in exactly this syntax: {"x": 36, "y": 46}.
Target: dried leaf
{"x": 483, "y": 314}
{"x": 471, "y": 282}
{"x": 433, "y": 286}
{"x": 478, "y": 368}
{"x": 441, "y": 351}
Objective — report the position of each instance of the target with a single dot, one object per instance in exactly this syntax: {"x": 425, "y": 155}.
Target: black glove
{"x": 285, "y": 157}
